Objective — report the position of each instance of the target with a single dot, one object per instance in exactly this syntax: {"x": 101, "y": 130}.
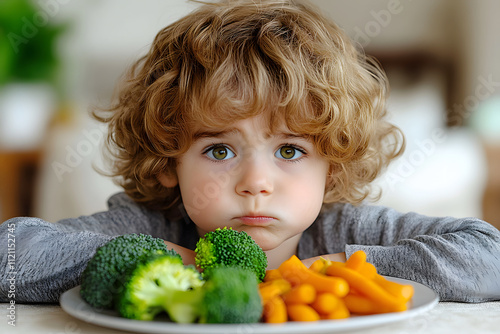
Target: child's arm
{"x": 186, "y": 253}
{"x": 45, "y": 259}
{"x": 458, "y": 258}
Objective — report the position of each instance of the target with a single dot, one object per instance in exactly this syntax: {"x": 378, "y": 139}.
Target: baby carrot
{"x": 359, "y": 304}
{"x": 269, "y": 290}
{"x": 365, "y": 286}
{"x": 362, "y": 305}
{"x": 317, "y": 266}
{"x": 301, "y": 294}
{"x": 403, "y": 291}
{"x": 274, "y": 311}
{"x": 356, "y": 260}
{"x": 368, "y": 270}
{"x": 340, "y": 312}
{"x": 325, "y": 303}
{"x": 334, "y": 263}
{"x": 302, "y": 312}
{"x": 297, "y": 273}
{"x": 321, "y": 264}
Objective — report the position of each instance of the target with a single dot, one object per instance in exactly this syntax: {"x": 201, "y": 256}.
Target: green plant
{"x": 27, "y": 43}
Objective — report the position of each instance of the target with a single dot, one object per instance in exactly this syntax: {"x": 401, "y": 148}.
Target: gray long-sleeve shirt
{"x": 457, "y": 258}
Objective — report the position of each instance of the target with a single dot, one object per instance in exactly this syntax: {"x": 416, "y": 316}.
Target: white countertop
{"x": 454, "y": 318}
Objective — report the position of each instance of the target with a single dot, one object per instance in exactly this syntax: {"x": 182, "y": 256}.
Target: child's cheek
{"x": 202, "y": 195}
{"x": 309, "y": 199}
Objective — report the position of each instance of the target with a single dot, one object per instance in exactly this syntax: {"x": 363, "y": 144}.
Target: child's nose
{"x": 255, "y": 179}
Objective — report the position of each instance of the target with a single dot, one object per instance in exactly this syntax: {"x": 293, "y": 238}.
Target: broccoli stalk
{"x": 228, "y": 295}
{"x": 184, "y": 306}
{"x": 104, "y": 274}
{"x": 229, "y": 247}
{"x": 161, "y": 283}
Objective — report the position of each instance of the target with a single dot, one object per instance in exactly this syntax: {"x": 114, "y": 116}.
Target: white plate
{"x": 423, "y": 300}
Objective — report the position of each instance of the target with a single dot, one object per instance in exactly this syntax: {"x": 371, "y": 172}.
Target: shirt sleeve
{"x": 40, "y": 260}
{"x": 457, "y": 258}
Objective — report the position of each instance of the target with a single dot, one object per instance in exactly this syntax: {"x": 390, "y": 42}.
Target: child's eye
{"x": 288, "y": 152}
{"x": 219, "y": 152}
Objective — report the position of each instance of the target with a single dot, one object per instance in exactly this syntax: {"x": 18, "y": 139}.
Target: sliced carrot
{"x": 274, "y": 311}
{"x": 302, "y": 312}
{"x": 356, "y": 260}
{"x": 366, "y": 287}
{"x": 297, "y": 273}
{"x": 268, "y": 290}
{"x": 325, "y": 303}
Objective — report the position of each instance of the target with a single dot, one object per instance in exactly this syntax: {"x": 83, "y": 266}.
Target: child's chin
{"x": 265, "y": 244}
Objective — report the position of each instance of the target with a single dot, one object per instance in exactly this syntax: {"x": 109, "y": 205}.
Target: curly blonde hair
{"x": 234, "y": 59}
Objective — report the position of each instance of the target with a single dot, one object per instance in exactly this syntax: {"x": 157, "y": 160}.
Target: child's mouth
{"x": 256, "y": 220}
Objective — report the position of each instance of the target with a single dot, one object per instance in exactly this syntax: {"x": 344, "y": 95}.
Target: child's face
{"x": 268, "y": 185}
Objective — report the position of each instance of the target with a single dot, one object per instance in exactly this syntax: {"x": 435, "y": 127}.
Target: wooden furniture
{"x": 491, "y": 199}
{"x": 18, "y": 170}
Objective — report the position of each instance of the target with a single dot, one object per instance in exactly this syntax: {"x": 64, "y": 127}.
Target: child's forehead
{"x": 258, "y": 125}
{"x": 228, "y": 132}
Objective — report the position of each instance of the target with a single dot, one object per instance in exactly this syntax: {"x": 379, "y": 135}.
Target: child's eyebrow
{"x": 207, "y": 134}
{"x": 221, "y": 133}
{"x": 289, "y": 135}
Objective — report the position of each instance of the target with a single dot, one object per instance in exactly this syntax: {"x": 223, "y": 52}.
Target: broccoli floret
{"x": 103, "y": 277}
{"x": 231, "y": 295}
{"x": 161, "y": 283}
{"x": 230, "y": 248}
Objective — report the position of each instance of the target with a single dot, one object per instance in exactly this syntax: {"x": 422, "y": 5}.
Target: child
{"x": 263, "y": 117}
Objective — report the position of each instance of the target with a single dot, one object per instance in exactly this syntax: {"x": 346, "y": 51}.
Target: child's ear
{"x": 168, "y": 180}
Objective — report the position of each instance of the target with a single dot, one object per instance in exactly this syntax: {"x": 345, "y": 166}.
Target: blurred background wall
{"x": 440, "y": 56}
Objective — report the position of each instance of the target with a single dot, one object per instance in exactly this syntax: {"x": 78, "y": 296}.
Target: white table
{"x": 454, "y": 318}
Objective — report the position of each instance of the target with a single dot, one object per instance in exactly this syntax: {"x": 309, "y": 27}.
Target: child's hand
{"x": 337, "y": 257}
{"x": 186, "y": 254}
